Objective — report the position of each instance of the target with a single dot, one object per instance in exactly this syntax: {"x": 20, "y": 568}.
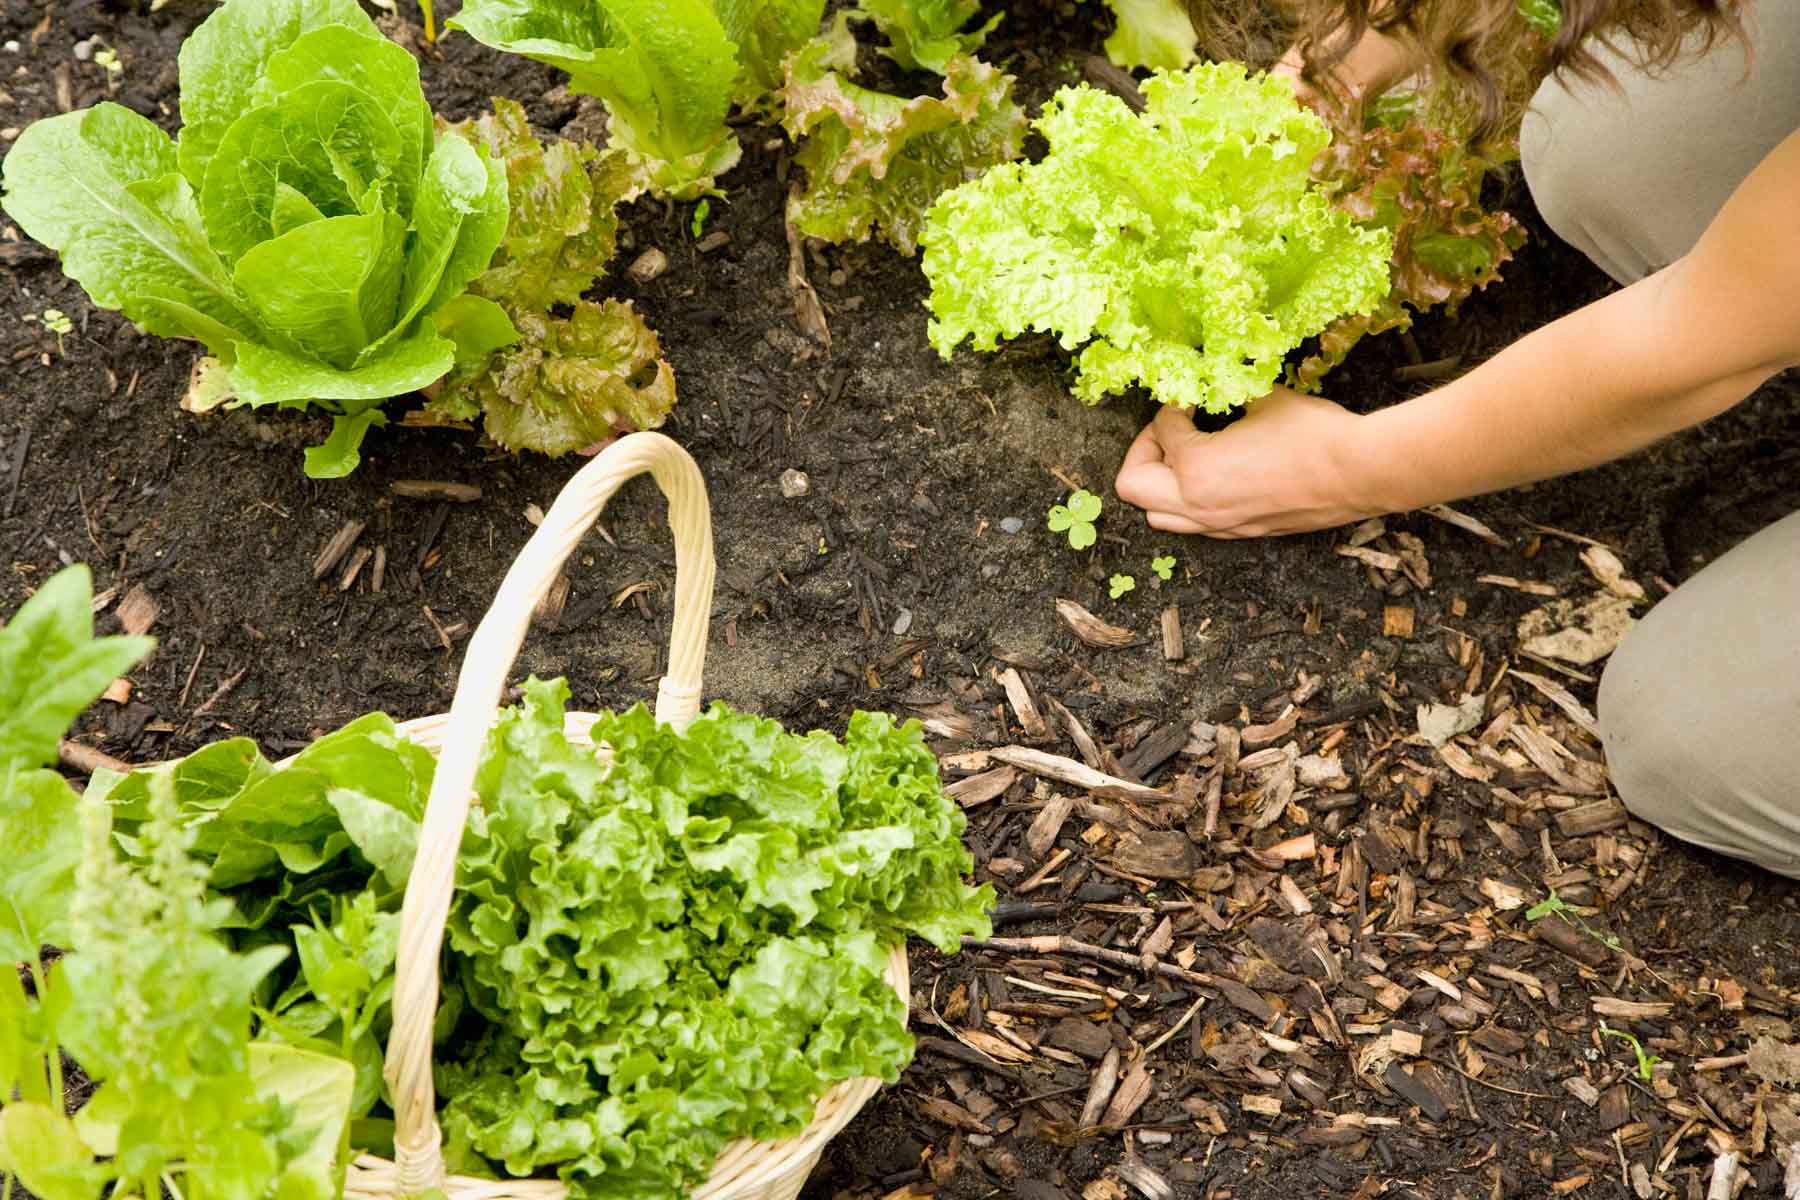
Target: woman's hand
{"x": 1282, "y": 468}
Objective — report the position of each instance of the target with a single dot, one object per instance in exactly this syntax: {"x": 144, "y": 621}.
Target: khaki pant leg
{"x": 1700, "y": 707}
{"x": 1632, "y": 175}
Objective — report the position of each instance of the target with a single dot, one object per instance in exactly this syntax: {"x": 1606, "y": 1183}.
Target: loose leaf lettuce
{"x": 546, "y": 369}
{"x": 1184, "y": 248}
{"x": 876, "y": 162}
{"x": 571, "y": 383}
{"x": 666, "y": 69}
{"x": 305, "y": 226}
{"x": 765, "y": 32}
{"x": 1157, "y": 34}
{"x": 1424, "y": 189}
{"x": 684, "y": 945}
{"x": 924, "y": 35}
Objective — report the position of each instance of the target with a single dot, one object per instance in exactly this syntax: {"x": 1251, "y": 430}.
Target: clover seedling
{"x": 1646, "y": 1062}
{"x": 1118, "y": 585}
{"x": 1076, "y": 519}
{"x": 1164, "y": 566}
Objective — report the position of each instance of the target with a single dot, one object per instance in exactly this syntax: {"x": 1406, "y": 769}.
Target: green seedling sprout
{"x": 57, "y": 322}
{"x": 1118, "y": 585}
{"x": 108, "y": 58}
{"x": 1076, "y": 518}
{"x": 1164, "y": 566}
{"x": 702, "y": 210}
{"x": 1562, "y": 908}
{"x": 1646, "y": 1062}
{"x": 430, "y": 21}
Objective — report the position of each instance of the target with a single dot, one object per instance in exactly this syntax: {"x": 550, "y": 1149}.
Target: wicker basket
{"x": 746, "y": 1170}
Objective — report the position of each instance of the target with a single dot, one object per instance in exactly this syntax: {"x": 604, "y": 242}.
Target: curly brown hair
{"x": 1487, "y": 56}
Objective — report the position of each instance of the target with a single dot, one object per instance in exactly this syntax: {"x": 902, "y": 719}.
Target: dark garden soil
{"x": 1287, "y": 967}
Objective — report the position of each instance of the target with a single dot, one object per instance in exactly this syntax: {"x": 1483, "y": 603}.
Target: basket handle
{"x": 417, "y": 1139}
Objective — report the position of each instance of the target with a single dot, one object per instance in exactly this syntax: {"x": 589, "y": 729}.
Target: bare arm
{"x": 1667, "y": 352}
{"x": 1683, "y": 345}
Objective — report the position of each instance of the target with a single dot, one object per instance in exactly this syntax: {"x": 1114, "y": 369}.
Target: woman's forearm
{"x": 1661, "y": 355}
{"x": 1600, "y": 383}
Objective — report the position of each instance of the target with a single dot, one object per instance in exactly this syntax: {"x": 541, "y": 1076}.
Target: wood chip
{"x": 1091, "y": 629}
{"x": 1379, "y": 559}
{"x": 1589, "y": 819}
{"x": 1046, "y": 827}
{"x": 1143, "y": 1178}
{"x": 1529, "y": 586}
{"x": 337, "y": 547}
{"x": 1466, "y": 523}
{"x": 1614, "y": 1107}
{"x": 354, "y": 568}
{"x": 435, "y": 489}
{"x": 1173, "y": 650}
{"x": 138, "y": 610}
{"x": 1293, "y": 897}
{"x": 1100, "y": 1089}
{"x": 1611, "y": 572}
{"x": 979, "y": 789}
{"x": 1562, "y": 697}
{"x": 1405, "y": 1043}
{"x": 1132, "y": 1091}
{"x": 1067, "y": 770}
{"x": 1024, "y": 708}
{"x": 1631, "y": 1010}
{"x": 1397, "y": 621}
{"x": 1157, "y": 854}
{"x": 1582, "y": 1090}
{"x": 1262, "y": 1106}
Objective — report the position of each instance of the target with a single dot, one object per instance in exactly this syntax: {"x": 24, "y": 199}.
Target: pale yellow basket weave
{"x": 746, "y": 1170}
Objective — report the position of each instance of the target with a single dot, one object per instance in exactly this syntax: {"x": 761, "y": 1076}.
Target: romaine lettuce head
{"x": 305, "y": 226}
{"x": 1184, "y": 248}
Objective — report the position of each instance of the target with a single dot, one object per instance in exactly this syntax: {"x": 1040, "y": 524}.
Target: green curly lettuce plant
{"x": 1185, "y": 248}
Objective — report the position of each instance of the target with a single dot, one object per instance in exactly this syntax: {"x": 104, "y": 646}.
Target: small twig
{"x": 85, "y": 760}
{"x": 192, "y": 671}
{"x": 1484, "y": 1083}
{"x": 219, "y": 693}
{"x": 1174, "y": 1029}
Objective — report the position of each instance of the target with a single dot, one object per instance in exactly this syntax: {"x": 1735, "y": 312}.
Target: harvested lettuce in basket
{"x": 647, "y": 958}
{"x": 686, "y": 947}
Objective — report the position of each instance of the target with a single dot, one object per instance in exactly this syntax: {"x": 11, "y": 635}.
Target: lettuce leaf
{"x": 685, "y": 945}
{"x": 1157, "y": 34}
{"x": 304, "y": 228}
{"x": 765, "y": 32}
{"x": 665, "y": 69}
{"x": 572, "y": 381}
{"x": 1184, "y": 249}
{"x": 875, "y": 162}
{"x": 1423, "y": 188}
{"x": 547, "y": 370}
{"x": 924, "y": 35}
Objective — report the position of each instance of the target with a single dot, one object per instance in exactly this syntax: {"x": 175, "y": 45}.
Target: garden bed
{"x": 913, "y": 573}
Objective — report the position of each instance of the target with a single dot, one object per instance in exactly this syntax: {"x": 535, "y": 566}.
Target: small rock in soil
{"x": 903, "y": 622}
{"x": 1011, "y": 525}
{"x": 795, "y": 484}
{"x": 648, "y": 266}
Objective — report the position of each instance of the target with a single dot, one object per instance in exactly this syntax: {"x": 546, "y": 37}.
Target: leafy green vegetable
{"x": 765, "y": 32}
{"x": 51, "y": 668}
{"x": 924, "y": 35}
{"x": 1544, "y": 16}
{"x": 157, "y": 1008}
{"x": 305, "y": 227}
{"x": 684, "y": 946}
{"x": 1152, "y": 33}
{"x": 1423, "y": 188}
{"x": 548, "y": 370}
{"x": 876, "y": 162}
{"x": 666, "y": 69}
{"x": 662, "y": 950}
{"x": 1183, "y": 248}
{"x": 1076, "y": 519}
